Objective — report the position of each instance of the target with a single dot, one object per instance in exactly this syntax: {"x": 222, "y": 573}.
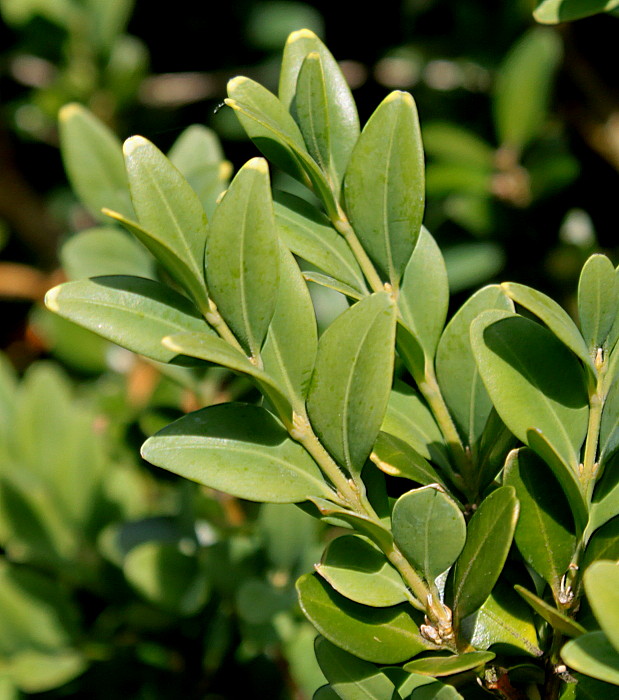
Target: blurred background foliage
{"x": 116, "y": 578}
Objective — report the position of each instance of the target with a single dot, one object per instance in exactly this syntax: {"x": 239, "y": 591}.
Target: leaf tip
{"x": 70, "y": 110}
{"x": 51, "y": 299}
{"x": 133, "y": 143}
{"x": 234, "y": 84}
{"x": 258, "y": 164}
{"x": 300, "y": 34}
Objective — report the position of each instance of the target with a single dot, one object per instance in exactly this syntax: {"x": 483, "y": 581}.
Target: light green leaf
{"x": 602, "y": 588}
{"x": 554, "y": 617}
{"x": 555, "y": 11}
{"x": 384, "y": 185}
{"x": 456, "y": 369}
{"x": 489, "y": 537}
{"x": 436, "y": 691}
{"x": 327, "y": 115}
{"x": 609, "y": 429}
{"x": 93, "y": 160}
{"x": 395, "y": 457}
{"x": 452, "y": 143}
{"x": 105, "y": 251}
{"x": 604, "y": 544}
{"x": 352, "y": 379}
{"x": 198, "y": 155}
{"x": 424, "y": 294}
{"x": 290, "y": 347}
{"x": 593, "y": 655}
{"x": 36, "y": 672}
{"x": 382, "y": 635}
{"x": 133, "y": 312}
{"x": 598, "y": 300}
{"x": 557, "y": 320}
{"x": 504, "y": 620}
{"x": 545, "y": 530}
{"x": 240, "y": 449}
{"x": 534, "y": 382}
{"x": 331, "y": 283}
{"x": 359, "y": 571}
{"x": 429, "y": 529}
{"x": 169, "y": 211}
{"x": 523, "y": 87}
{"x": 242, "y": 256}
{"x": 449, "y": 665}
{"x": 471, "y": 264}
{"x": 350, "y": 677}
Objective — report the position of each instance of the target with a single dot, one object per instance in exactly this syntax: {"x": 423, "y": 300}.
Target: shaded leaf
{"x": 602, "y": 588}
{"x": 471, "y": 264}
{"x": 555, "y": 11}
{"x": 395, "y": 457}
{"x": 449, "y": 665}
{"x": 554, "y": 617}
{"x": 593, "y": 655}
{"x": 604, "y": 544}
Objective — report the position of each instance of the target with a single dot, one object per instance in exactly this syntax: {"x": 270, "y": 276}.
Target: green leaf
{"x": 359, "y": 571}
{"x": 381, "y": 635}
{"x": 384, "y": 185}
{"x": 169, "y": 211}
{"x": 598, "y": 300}
{"x": 523, "y": 87}
{"x": 290, "y": 347}
{"x": 449, "y": 665}
{"x": 242, "y": 256}
{"x": 93, "y": 160}
{"x": 554, "y": 617}
{"x": 429, "y": 529}
{"x": 166, "y": 577}
{"x": 277, "y": 135}
{"x": 350, "y": 677}
{"x": 456, "y": 369}
{"x": 331, "y": 283}
{"x": 534, "y": 383}
{"x": 555, "y": 11}
{"x": 133, "y": 312}
{"x": 504, "y": 620}
{"x": 593, "y": 655}
{"x": 395, "y": 457}
{"x": 545, "y": 530}
{"x": 436, "y": 691}
{"x": 424, "y": 294}
{"x": 604, "y": 544}
{"x": 489, "y": 537}
{"x": 198, "y": 155}
{"x": 105, "y": 251}
{"x": 352, "y": 379}
{"x": 327, "y": 115}
{"x": 452, "y": 143}
{"x": 309, "y": 235}
{"x": 557, "y": 320}
{"x": 602, "y": 588}
{"x": 35, "y": 672}
{"x": 240, "y": 449}
{"x": 609, "y": 429}
{"x": 471, "y": 264}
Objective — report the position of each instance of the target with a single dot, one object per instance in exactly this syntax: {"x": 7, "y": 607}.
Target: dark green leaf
{"x": 449, "y": 665}
{"x": 352, "y": 379}
{"x": 555, "y": 11}
{"x": 242, "y": 256}
{"x": 240, "y": 449}
{"x": 133, "y": 312}
{"x": 489, "y": 536}
{"x": 429, "y": 529}
{"x": 384, "y": 185}
{"x": 554, "y": 617}
{"x": 593, "y": 655}
{"x": 604, "y": 544}
{"x": 381, "y": 635}
{"x": 598, "y": 300}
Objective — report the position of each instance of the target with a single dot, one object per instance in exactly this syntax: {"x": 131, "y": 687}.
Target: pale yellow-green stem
{"x": 343, "y": 227}
{"x": 590, "y": 466}
{"x": 216, "y": 320}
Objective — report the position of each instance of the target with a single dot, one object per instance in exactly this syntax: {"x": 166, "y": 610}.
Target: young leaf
{"x": 456, "y": 369}
{"x": 545, "y": 530}
{"x": 349, "y": 676}
{"x": 523, "y": 87}
{"x": 381, "y": 635}
{"x": 555, "y": 11}
{"x": 242, "y": 256}
{"x": 327, "y": 115}
{"x": 309, "y": 235}
{"x": 395, "y": 457}
{"x": 289, "y": 350}
{"x": 352, "y": 379}
{"x": 93, "y": 159}
{"x": 424, "y": 294}
{"x": 489, "y": 537}
{"x": 359, "y": 571}
{"x": 598, "y": 300}
{"x": 554, "y": 617}
{"x": 384, "y": 185}
{"x": 429, "y": 529}
{"x": 168, "y": 210}
{"x": 593, "y": 655}
{"x": 533, "y": 381}
{"x": 449, "y": 665}
{"x": 602, "y": 588}
{"x": 240, "y": 449}
{"x": 133, "y": 312}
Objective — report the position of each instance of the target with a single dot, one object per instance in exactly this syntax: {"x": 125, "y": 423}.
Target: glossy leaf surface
{"x": 384, "y": 185}
{"x": 449, "y": 665}
{"x": 240, "y": 449}
{"x": 593, "y": 655}
{"x": 554, "y": 617}
{"x": 352, "y": 379}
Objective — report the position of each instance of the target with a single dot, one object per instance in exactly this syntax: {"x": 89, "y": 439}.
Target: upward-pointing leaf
{"x": 384, "y": 184}
{"x": 242, "y": 255}
{"x": 352, "y": 379}
{"x": 555, "y": 11}
{"x": 168, "y": 209}
{"x": 598, "y": 300}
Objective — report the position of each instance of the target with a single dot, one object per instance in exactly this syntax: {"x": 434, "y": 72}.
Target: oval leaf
{"x": 602, "y": 588}
{"x": 593, "y": 655}
{"x": 555, "y": 618}
{"x": 438, "y": 666}
{"x": 598, "y": 300}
